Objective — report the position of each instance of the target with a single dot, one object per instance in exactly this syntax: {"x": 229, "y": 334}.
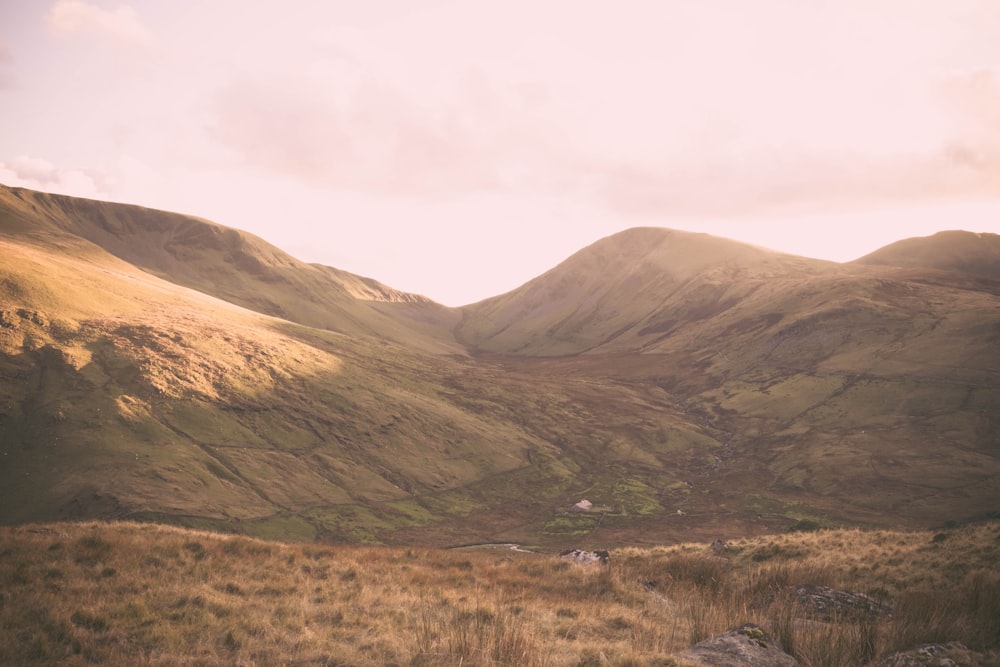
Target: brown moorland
{"x": 140, "y": 594}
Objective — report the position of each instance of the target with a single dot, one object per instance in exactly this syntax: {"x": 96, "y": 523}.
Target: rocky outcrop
{"x": 745, "y": 645}
{"x": 951, "y": 654}
{"x": 719, "y": 547}
{"x": 586, "y": 557}
{"x": 828, "y": 604}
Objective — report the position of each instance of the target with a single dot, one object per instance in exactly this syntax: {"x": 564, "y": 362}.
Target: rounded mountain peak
{"x": 976, "y": 253}
{"x": 609, "y": 287}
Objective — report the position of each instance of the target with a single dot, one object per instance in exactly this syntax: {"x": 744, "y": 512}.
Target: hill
{"x": 849, "y": 385}
{"x": 160, "y": 367}
{"x": 230, "y": 264}
{"x": 125, "y": 395}
{"x": 612, "y": 295}
{"x": 965, "y": 252}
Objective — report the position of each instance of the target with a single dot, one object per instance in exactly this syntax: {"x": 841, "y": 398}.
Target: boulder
{"x": 586, "y": 557}
{"x": 828, "y": 604}
{"x": 952, "y": 654}
{"x": 719, "y": 547}
{"x": 745, "y": 645}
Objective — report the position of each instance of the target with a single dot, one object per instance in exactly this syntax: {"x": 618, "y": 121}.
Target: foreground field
{"x": 125, "y": 593}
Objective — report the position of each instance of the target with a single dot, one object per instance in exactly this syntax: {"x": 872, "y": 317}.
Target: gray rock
{"x": 719, "y": 547}
{"x": 586, "y": 557}
{"x": 952, "y": 654}
{"x": 745, "y": 645}
{"x": 827, "y": 604}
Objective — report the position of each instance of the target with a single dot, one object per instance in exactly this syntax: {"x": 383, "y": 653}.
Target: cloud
{"x": 769, "y": 183}
{"x": 279, "y": 126}
{"x": 943, "y": 143}
{"x": 38, "y": 174}
{"x": 972, "y": 154}
{"x": 363, "y": 134}
{"x": 75, "y": 17}
{"x": 688, "y": 112}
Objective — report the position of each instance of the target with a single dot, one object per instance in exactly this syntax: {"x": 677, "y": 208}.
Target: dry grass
{"x": 145, "y": 594}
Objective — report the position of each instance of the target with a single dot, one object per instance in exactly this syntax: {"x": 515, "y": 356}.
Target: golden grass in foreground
{"x": 133, "y": 594}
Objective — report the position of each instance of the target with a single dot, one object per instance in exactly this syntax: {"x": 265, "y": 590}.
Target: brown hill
{"x": 850, "y": 383}
{"x": 685, "y": 385}
{"x": 623, "y": 292}
{"x": 232, "y": 265}
{"x": 967, "y": 252}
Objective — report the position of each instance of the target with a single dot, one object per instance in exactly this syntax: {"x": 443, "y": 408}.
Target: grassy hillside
{"x": 126, "y": 594}
{"x": 688, "y": 387}
{"x": 845, "y": 391}
{"x": 641, "y": 282}
{"x": 125, "y": 395}
{"x": 956, "y": 250}
{"x": 232, "y": 265}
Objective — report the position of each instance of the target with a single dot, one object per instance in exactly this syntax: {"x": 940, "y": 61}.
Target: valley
{"x": 158, "y": 367}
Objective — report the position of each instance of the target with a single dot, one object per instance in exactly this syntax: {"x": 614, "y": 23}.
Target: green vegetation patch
{"x": 567, "y": 524}
{"x": 204, "y": 423}
{"x": 285, "y": 528}
{"x": 290, "y": 480}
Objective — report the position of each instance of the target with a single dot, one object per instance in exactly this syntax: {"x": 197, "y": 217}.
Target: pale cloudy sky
{"x": 458, "y": 148}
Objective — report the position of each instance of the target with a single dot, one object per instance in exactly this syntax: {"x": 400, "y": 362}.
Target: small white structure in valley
{"x": 583, "y": 506}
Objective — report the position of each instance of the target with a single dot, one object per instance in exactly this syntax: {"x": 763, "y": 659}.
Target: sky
{"x": 460, "y": 148}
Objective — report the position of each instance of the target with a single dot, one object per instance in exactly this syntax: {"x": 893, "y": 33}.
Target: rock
{"x": 951, "y": 654}
{"x": 827, "y": 604}
{"x": 719, "y": 547}
{"x": 745, "y": 645}
{"x": 583, "y": 506}
{"x": 586, "y": 557}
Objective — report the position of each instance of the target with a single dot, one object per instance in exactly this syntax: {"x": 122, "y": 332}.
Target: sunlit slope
{"x": 127, "y": 396}
{"x": 622, "y": 293}
{"x": 118, "y": 382}
{"x": 966, "y": 252}
{"x": 724, "y": 309}
{"x": 232, "y": 265}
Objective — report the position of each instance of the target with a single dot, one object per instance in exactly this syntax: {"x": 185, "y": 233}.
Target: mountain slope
{"x": 617, "y": 286}
{"x": 232, "y": 265}
{"x": 848, "y": 388}
{"x": 686, "y": 386}
{"x": 965, "y": 252}
{"x": 127, "y": 396}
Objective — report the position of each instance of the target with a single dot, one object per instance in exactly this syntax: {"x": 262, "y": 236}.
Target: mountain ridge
{"x": 683, "y": 384}
{"x": 228, "y": 263}
{"x": 647, "y": 265}
{"x": 977, "y": 253}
